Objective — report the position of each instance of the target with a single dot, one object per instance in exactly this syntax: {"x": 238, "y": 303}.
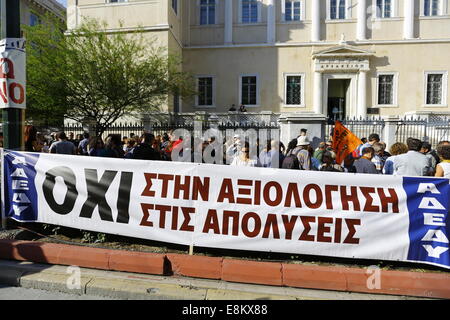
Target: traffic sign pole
{"x": 13, "y": 118}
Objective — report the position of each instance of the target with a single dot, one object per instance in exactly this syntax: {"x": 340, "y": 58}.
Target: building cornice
{"x": 321, "y": 43}
{"x": 50, "y": 6}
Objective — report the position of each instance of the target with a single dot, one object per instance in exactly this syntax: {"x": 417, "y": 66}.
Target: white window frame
{"x": 348, "y": 12}
{"x": 302, "y": 90}
{"x": 216, "y": 13}
{"x": 259, "y": 14}
{"x": 394, "y": 89}
{"x": 213, "y": 106}
{"x": 444, "y": 88}
{"x": 258, "y": 101}
{"x": 394, "y": 10}
{"x": 442, "y": 10}
{"x": 302, "y": 12}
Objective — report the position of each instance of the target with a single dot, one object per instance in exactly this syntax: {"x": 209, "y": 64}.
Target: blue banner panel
{"x": 429, "y": 227}
{"x": 21, "y": 200}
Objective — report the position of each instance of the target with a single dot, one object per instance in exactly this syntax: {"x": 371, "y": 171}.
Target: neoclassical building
{"x": 328, "y": 57}
{"x": 32, "y": 12}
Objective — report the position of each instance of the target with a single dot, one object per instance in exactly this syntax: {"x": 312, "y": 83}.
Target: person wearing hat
{"x": 302, "y": 152}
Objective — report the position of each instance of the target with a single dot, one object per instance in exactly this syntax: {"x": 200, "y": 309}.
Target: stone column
{"x": 271, "y": 21}
{"x": 362, "y": 19}
{"x": 315, "y": 27}
{"x": 408, "y": 27}
{"x": 362, "y": 94}
{"x": 318, "y": 93}
{"x": 228, "y": 22}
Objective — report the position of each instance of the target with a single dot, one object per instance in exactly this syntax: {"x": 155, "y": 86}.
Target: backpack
{"x": 291, "y": 162}
{"x": 435, "y": 156}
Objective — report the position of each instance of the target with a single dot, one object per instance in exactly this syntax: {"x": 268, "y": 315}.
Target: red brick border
{"x": 421, "y": 284}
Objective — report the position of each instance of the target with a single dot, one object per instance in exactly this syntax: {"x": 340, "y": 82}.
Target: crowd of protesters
{"x": 413, "y": 158}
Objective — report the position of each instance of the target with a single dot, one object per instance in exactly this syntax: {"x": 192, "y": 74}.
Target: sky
{"x": 63, "y": 2}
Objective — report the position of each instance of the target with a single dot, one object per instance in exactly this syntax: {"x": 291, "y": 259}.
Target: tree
{"x": 94, "y": 75}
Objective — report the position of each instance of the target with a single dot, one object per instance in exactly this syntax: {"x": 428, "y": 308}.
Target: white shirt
{"x": 237, "y": 161}
{"x": 446, "y": 167}
{"x": 412, "y": 163}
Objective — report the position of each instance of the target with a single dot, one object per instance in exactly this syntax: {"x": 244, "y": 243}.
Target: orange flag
{"x": 344, "y": 142}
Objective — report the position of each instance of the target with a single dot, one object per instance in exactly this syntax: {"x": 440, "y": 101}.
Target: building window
{"x": 294, "y": 90}
{"x": 384, "y": 8}
{"x": 207, "y": 12}
{"x": 34, "y": 20}
{"x": 292, "y": 10}
{"x": 249, "y": 11}
{"x": 436, "y": 88}
{"x": 338, "y": 9}
{"x": 249, "y": 90}
{"x": 205, "y": 91}
{"x": 386, "y": 89}
{"x": 431, "y": 8}
{"x": 116, "y": 1}
{"x": 175, "y": 6}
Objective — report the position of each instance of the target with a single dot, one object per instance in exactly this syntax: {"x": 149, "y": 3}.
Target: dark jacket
{"x": 145, "y": 152}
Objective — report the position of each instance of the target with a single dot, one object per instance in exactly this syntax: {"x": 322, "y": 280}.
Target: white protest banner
{"x": 261, "y": 209}
{"x": 12, "y": 73}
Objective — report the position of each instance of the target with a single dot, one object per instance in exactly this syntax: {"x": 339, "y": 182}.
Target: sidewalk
{"x": 124, "y": 285}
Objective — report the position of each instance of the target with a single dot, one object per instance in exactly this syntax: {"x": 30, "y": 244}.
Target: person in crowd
{"x": 71, "y": 138}
{"x": 349, "y": 162}
{"x": 373, "y": 138}
{"x": 385, "y": 154}
{"x": 443, "y": 167}
{"x": 290, "y": 160}
{"x": 303, "y": 132}
{"x": 233, "y": 108}
{"x": 378, "y": 159}
{"x": 78, "y": 139}
{"x": 83, "y": 146}
{"x": 395, "y": 150}
{"x": 62, "y": 145}
{"x": 265, "y": 156}
{"x": 412, "y": 163}
{"x": 234, "y": 148}
{"x": 32, "y": 143}
{"x": 432, "y": 157}
{"x": 113, "y": 147}
{"x": 44, "y": 142}
{"x": 243, "y": 159}
{"x": 364, "y": 140}
{"x": 144, "y": 150}
{"x": 303, "y": 153}
{"x": 365, "y": 164}
{"x": 329, "y": 163}
{"x": 242, "y": 108}
{"x": 277, "y": 148}
{"x": 52, "y": 138}
{"x": 157, "y": 143}
{"x": 174, "y": 141}
{"x": 96, "y": 147}
{"x": 318, "y": 153}
{"x": 129, "y": 147}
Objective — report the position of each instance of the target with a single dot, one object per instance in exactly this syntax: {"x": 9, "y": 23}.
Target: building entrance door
{"x": 338, "y": 98}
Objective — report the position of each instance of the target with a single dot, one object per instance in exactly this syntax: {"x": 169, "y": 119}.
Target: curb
{"x": 404, "y": 283}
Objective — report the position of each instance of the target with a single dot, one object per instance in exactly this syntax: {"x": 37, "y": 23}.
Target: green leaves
{"x": 94, "y": 74}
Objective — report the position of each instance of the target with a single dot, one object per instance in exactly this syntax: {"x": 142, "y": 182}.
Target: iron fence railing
{"x": 432, "y": 129}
